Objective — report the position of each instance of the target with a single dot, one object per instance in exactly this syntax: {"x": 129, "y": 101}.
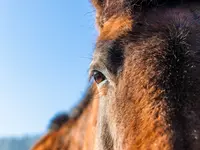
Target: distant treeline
{"x": 22, "y": 143}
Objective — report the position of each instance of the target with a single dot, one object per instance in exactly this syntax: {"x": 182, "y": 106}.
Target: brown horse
{"x": 147, "y": 70}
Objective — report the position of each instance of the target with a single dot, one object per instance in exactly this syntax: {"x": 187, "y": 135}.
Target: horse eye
{"x": 98, "y": 76}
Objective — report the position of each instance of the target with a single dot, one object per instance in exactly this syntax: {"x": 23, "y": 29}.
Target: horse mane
{"x": 76, "y": 112}
{"x": 63, "y": 126}
{"x": 57, "y": 121}
{"x": 62, "y": 118}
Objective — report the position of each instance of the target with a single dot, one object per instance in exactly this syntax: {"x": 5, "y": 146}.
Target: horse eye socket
{"x": 98, "y": 76}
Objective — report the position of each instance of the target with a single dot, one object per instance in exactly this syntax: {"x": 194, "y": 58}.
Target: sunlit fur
{"x": 149, "y": 52}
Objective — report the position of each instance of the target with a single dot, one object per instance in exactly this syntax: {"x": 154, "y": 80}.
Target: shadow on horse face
{"x": 146, "y": 65}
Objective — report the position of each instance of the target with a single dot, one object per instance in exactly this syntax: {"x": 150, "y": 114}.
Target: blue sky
{"x": 45, "y": 50}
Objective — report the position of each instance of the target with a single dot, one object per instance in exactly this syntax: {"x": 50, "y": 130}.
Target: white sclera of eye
{"x": 102, "y": 83}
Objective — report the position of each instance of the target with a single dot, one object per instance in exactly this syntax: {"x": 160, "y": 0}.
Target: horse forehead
{"x": 109, "y": 48}
{"x": 119, "y": 31}
{"x": 109, "y": 54}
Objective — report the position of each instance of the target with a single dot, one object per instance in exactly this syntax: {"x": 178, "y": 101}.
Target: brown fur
{"x": 115, "y": 26}
{"x": 144, "y": 110}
